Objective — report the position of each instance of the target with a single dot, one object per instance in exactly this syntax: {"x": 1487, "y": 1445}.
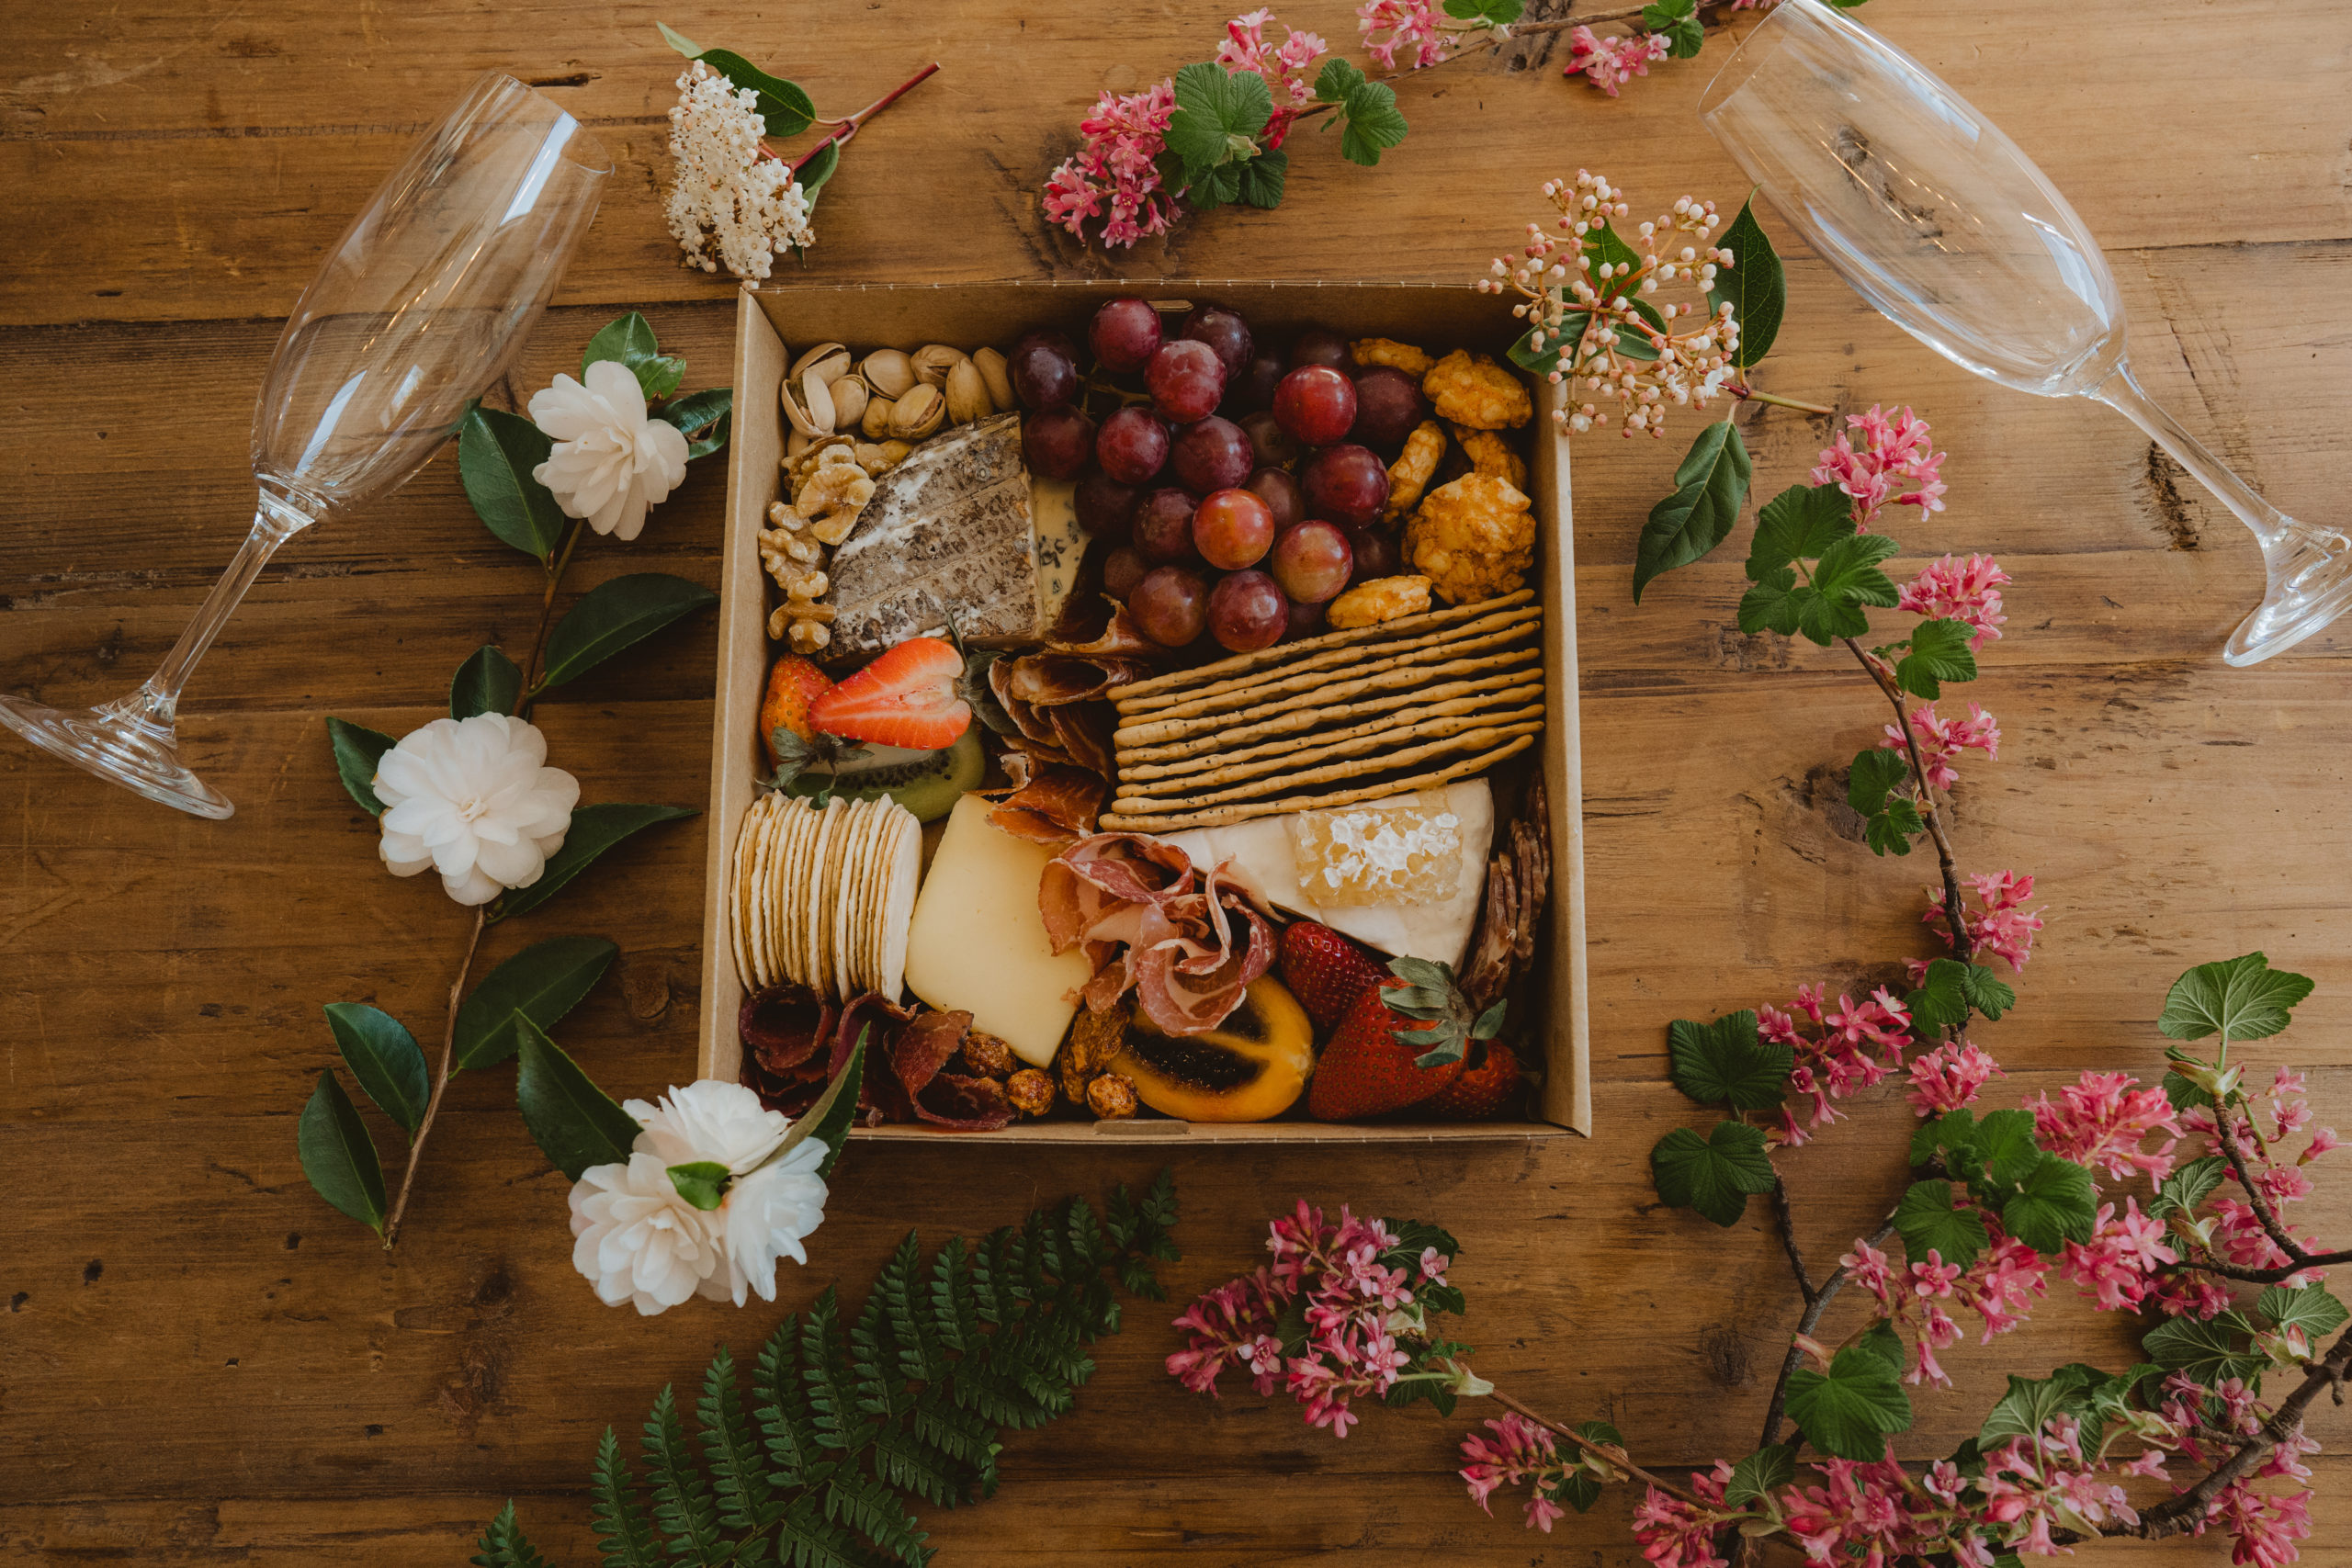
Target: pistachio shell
{"x": 933, "y": 361}
{"x": 993, "y": 371}
{"x": 820, "y": 356}
{"x": 968, "y": 394}
{"x": 919, "y": 413}
{"x": 850, "y": 395}
{"x": 875, "y": 421}
{"x": 888, "y": 371}
{"x": 807, "y": 404}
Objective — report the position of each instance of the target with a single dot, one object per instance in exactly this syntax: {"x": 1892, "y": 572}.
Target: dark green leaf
{"x": 383, "y": 1056}
{"x": 595, "y": 830}
{"x": 683, "y": 1505}
{"x": 1488, "y": 13}
{"x": 1874, "y": 772}
{"x": 713, "y": 439}
{"x": 1713, "y": 1177}
{"x": 1799, "y": 523}
{"x": 1954, "y": 1130}
{"x": 358, "y": 750}
{"x": 1711, "y": 486}
{"x": 786, "y": 109}
{"x": 1761, "y": 1475}
{"x": 1604, "y": 246}
{"x": 1928, "y": 1221}
{"x": 622, "y": 1531}
{"x": 702, "y": 1182}
{"x": 487, "y": 682}
{"x": 1939, "y": 653}
{"x": 1754, "y": 284}
{"x": 611, "y": 615}
{"x": 1369, "y": 119}
{"x": 2243, "y": 999}
{"x": 2188, "y": 1185}
{"x": 1218, "y": 115}
{"x": 835, "y": 1111}
{"x": 496, "y": 452}
{"x": 2184, "y": 1094}
{"x": 1891, "y": 831}
{"x": 1580, "y": 1489}
{"x": 2308, "y": 1307}
{"x": 539, "y": 984}
{"x": 627, "y": 341}
{"x": 820, "y": 167}
{"x": 1850, "y": 1410}
{"x": 2005, "y": 1149}
{"x": 1728, "y": 1063}
{"x": 2212, "y": 1350}
{"x": 1261, "y": 179}
{"x": 2031, "y": 1402}
{"x": 1881, "y": 1341}
{"x": 1848, "y": 571}
{"x": 337, "y": 1155}
{"x": 575, "y": 1123}
{"x": 698, "y": 410}
{"x": 1678, "y": 21}
{"x": 1952, "y": 988}
{"x": 2057, "y": 1203}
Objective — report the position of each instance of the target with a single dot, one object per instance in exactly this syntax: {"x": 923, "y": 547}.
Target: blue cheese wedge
{"x": 1061, "y": 545}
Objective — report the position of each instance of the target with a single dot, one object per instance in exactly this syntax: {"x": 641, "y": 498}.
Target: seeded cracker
{"x": 1293, "y": 759}
{"x": 1495, "y": 692}
{"x": 1411, "y": 677}
{"x": 1485, "y": 734}
{"x": 1242, "y": 812}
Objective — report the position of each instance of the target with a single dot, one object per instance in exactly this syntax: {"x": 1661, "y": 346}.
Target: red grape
{"x": 1282, "y": 494}
{"x": 1105, "y": 507}
{"x": 1050, "y": 337}
{"x": 1187, "y": 380}
{"x": 1247, "y": 611}
{"x": 1320, "y": 345}
{"x": 1313, "y": 561}
{"x": 1162, "y": 528}
{"x": 1223, "y": 331}
{"x": 1305, "y": 620}
{"x": 1170, "y": 605}
{"x": 1133, "y": 446}
{"x": 1378, "y": 555}
{"x": 1058, "y": 442}
{"x": 1045, "y": 373}
{"x": 1316, "y": 404}
{"x": 1124, "y": 333}
{"x": 1388, "y": 405}
{"x": 1232, "y": 528}
{"x": 1347, "y": 484}
{"x": 1252, "y": 387}
{"x": 1272, "y": 444}
{"x": 1122, "y": 569}
{"x": 1211, "y": 454}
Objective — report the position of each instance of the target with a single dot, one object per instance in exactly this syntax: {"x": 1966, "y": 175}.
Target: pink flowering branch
{"x": 2227, "y": 1138}
{"x": 1608, "y": 1453}
{"x": 1947, "y": 864}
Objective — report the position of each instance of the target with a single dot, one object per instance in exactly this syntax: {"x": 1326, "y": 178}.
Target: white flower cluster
{"x": 729, "y": 204}
{"x": 640, "y": 1241}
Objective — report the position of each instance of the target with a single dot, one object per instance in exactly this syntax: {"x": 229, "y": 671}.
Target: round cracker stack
{"x": 1333, "y": 720}
{"x": 823, "y": 897}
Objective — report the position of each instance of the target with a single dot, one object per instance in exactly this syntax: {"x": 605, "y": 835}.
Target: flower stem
{"x": 1954, "y": 915}
{"x": 547, "y": 618}
{"x": 1742, "y": 390}
{"x": 441, "y": 1080}
{"x": 843, "y": 129}
{"x": 1608, "y": 1455}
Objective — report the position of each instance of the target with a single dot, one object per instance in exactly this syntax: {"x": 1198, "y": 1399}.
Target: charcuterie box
{"x": 870, "y": 315}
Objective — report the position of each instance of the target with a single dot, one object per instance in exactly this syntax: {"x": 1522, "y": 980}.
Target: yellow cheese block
{"x": 978, "y": 944}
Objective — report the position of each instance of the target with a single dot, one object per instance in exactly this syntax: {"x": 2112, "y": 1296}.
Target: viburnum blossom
{"x": 1284, "y": 66}
{"x": 1410, "y": 28}
{"x": 1942, "y": 740}
{"x": 2102, "y": 1120}
{"x": 1839, "y": 1051}
{"x": 730, "y": 203}
{"x": 2000, "y": 925}
{"x": 1948, "y": 1077}
{"x": 1954, "y": 589}
{"x": 1894, "y": 453}
{"x": 1610, "y": 62}
{"x": 1118, "y": 165}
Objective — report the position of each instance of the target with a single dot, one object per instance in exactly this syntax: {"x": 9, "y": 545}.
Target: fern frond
{"x": 825, "y": 1370}
{"x": 903, "y": 1459}
{"x": 1086, "y": 1252}
{"x": 806, "y": 1538}
{"x": 1045, "y": 1270}
{"x": 873, "y": 1357}
{"x": 921, "y": 1357}
{"x": 795, "y": 1451}
{"x": 682, "y": 1500}
{"x": 955, "y": 1310}
{"x": 992, "y": 1266}
{"x": 875, "y": 1511}
{"x": 504, "y": 1545}
{"x": 745, "y": 1499}
{"x": 623, "y": 1532}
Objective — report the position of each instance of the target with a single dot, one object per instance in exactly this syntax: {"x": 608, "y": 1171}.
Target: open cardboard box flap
{"x": 869, "y": 315}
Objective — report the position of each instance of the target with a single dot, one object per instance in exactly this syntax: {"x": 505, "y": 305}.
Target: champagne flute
{"x": 1939, "y": 220}
{"x": 416, "y": 310}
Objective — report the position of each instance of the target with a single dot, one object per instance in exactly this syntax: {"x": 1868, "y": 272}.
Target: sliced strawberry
{"x": 906, "y": 697}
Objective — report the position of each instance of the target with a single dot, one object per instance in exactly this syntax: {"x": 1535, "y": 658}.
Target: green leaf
{"x": 504, "y": 1545}
{"x": 358, "y": 750}
{"x": 784, "y": 108}
{"x": 2057, "y": 1203}
{"x": 708, "y": 412}
{"x": 1261, "y": 178}
{"x": 1952, "y": 989}
{"x": 1761, "y": 1475}
{"x": 496, "y": 452}
{"x": 383, "y": 1056}
{"x": 1874, "y": 772}
{"x": 1939, "y": 653}
{"x": 2308, "y": 1307}
{"x": 2184, "y": 1094}
{"x": 1728, "y": 1063}
{"x": 487, "y": 682}
{"x": 683, "y": 1505}
{"x": 337, "y": 1155}
{"x": 1754, "y": 284}
{"x": 2243, "y": 999}
{"x": 702, "y": 1182}
{"x": 1487, "y": 13}
{"x": 1927, "y": 1222}
{"x": 2212, "y": 1350}
{"x": 2031, "y": 1404}
{"x": 822, "y": 164}
{"x": 1891, "y": 831}
{"x": 611, "y": 615}
{"x": 1881, "y": 1341}
{"x": 1580, "y": 1489}
{"x": 679, "y": 41}
{"x": 1799, "y": 523}
{"x": 1218, "y": 115}
{"x": 1602, "y": 244}
{"x": 629, "y": 340}
{"x": 1848, "y": 572}
{"x": 538, "y": 986}
{"x": 1954, "y": 1131}
{"x": 595, "y": 830}
{"x": 2188, "y": 1185}
{"x": 1711, "y": 486}
{"x": 1678, "y": 21}
{"x": 1715, "y": 1175}
{"x": 623, "y": 1532}
{"x": 1369, "y": 119}
{"x": 2004, "y": 1148}
{"x": 1850, "y": 1410}
{"x": 575, "y": 1123}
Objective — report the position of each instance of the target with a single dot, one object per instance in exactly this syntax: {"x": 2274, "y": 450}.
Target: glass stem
{"x": 2121, "y": 391}
{"x": 275, "y": 520}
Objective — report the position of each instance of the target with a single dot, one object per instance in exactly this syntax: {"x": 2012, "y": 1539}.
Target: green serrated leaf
{"x": 2032, "y": 1403}
{"x": 496, "y": 454}
{"x": 1761, "y": 1475}
{"x": 624, "y": 1533}
{"x": 1261, "y": 179}
{"x": 358, "y": 751}
{"x": 2005, "y": 1149}
{"x": 1218, "y": 116}
{"x": 384, "y": 1058}
{"x": 539, "y": 984}
{"x": 338, "y": 1157}
{"x": 1754, "y": 286}
{"x": 1799, "y": 523}
{"x": 1881, "y": 1341}
{"x": 504, "y": 1545}
{"x": 575, "y": 1123}
{"x": 2057, "y": 1203}
{"x": 2188, "y": 1186}
{"x": 1711, "y": 486}
{"x": 1848, "y": 571}
{"x": 1486, "y": 13}
{"x": 1370, "y": 123}
{"x": 1939, "y": 653}
{"x": 613, "y": 616}
{"x": 1853, "y": 1408}
{"x": 1929, "y": 1221}
{"x": 487, "y": 682}
{"x": 1729, "y": 1063}
{"x": 1891, "y": 831}
{"x": 2241, "y": 998}
{"x": 1678, "y": 20}
{"x": 1713, "y": 1177}
{"x": 2185, "y": 1095}
{"x": 2212, "y": 1350}
{"x": 1874, "y": 772}
{"x": 2308, "y": 1307}
{"x": 595, "y": 830}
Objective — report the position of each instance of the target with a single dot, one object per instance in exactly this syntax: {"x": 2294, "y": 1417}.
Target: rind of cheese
{"x": 978, "y": 944}
{"x": 1061, "y": 545}
{"x": 1439, "y": 932}
{"x": 948, "y": 532}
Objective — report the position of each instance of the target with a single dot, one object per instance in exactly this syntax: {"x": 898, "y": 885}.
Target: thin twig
{"x": 1787, "y": 1226}
{"x": 1961, "y": 942}
{"x": 547, "y": 615}
{"x": 843, "y": 129}
{"x": 441, "y": 1080}
{"x": 2265, "y": 1276}
{"x": 2270, "y": 1225}
{"x": 1815, "y": 1308}
{"x": 1602, "y": 1451}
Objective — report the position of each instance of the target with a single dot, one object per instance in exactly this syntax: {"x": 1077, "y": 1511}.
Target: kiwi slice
{"x": 926, "y": 782}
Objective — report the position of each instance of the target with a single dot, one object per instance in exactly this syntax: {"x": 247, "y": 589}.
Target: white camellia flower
{"x": 767, "y": 1209}
{"x": 473, "y": 799}
{"x": 610, "y": 461}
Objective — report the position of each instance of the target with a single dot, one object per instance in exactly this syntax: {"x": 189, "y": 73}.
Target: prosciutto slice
{"x": 1188, "y": 944}
{"x": 1051, "y": 805}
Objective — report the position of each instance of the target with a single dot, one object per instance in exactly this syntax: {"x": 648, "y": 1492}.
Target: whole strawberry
{"x": 1327, "y": 973}
{"x": 1400, "y": 1045}
{"x": 1489, "y": 1077}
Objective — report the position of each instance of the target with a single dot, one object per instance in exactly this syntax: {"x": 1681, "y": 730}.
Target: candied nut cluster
{"x": 1476, "y": 392}
{"x": 1474, "y": 539}
{"x": 1410, "y": 475}
{"x": 1387, "y": 351}
{"x": 1382, "y": 599}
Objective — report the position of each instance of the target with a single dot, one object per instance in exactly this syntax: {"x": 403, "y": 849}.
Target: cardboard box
{"x": 968, "y": 315}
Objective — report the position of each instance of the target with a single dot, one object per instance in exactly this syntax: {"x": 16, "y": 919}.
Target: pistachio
{"x": 933, "y": 361}
{"x": 808, "y": 405}
{"x": 821, "y": 358}
{"x": 849, "y": 394}
{"x": 919, "y": 413}
{"x": 888, "y": 371}
{"x": 876, "y": 420}
{"x": 795, "y": 443}
{"x": 994, "y": 372}
{"x": 895, "y": 453}
{"x": 968, "y": 394}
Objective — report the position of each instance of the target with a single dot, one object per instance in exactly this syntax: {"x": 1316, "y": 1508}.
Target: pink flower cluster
{"x": 1894, "y": 454}
{"x": 1520, "y": 1454}
{"x": 2000, "y": 1287}
{"x": 2265, "y": 1526}
{"x": 2240, "y": 1236}
{"x": 1948, "y": 1077}
{"x": 1837, "y": 1052}
{"x": 1124, "y": 136}
{"x": 1355, "y": 1307}
{"x": 1942, "y": 740}
{"x": 1284, "y": 66}
{"x": 2102, "y": 1120}
{"x": 2000, "y": 925}
{"x": 1610, "y": 62}
{"x": 1409, "y": 28}
{"x": 1673, "y": 1534}
{"x": 1968, "y": 592}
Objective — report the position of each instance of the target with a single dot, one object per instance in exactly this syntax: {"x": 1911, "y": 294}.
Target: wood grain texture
{"x": 201, "y": 1364}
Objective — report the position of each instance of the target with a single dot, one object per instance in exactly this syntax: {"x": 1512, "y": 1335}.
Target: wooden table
{"x": 202, "y": 1364}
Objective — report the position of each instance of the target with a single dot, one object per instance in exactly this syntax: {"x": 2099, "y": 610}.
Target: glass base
{"x": 2311, "y": 584}
{"x": 122, "y": 744}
